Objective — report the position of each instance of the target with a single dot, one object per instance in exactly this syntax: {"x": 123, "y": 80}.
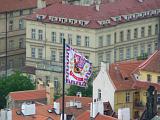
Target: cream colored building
{"x": 12, "y": 15}
{"x": 107, "y": 32}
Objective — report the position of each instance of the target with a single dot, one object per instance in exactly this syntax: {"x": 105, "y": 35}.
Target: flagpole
{"x": 63, "y": 92}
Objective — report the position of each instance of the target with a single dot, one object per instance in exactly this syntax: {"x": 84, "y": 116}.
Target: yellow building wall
{"x": 143, "y": 76}
{"x": 120, "y": 101}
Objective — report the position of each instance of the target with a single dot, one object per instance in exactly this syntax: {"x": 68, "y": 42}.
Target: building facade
{"x": 100, "y": 32}
{"x": 12, "y": 32}
{"x": 118, "y": 84}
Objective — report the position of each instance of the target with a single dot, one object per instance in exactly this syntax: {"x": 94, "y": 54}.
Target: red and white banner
{"x": 77, "y": 68}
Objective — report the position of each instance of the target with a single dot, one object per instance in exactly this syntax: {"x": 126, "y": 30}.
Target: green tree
{"x": 86, "y": 92}
{"x": 14, "y": 82}
{"x": 142, "y": 56}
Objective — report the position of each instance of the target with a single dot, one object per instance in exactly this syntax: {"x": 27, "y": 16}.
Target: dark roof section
{"x": 89, "y": 13}
{"x": 13, "y": 5}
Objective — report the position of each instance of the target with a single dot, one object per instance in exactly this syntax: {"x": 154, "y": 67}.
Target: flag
{"x": 77, "y": 68}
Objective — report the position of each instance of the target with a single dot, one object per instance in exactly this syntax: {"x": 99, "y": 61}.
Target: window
{"x": 100, "y": 42}
{"x": 127, "y": 97}
{"x": 142, "y": 49}
{"x": 70, "y": 39}
{"x": 40, "y": 53}
{"x": 149, "y": 77}
{"x": 21, "y": 12}
{"x": 135, "y": 51}
{"x": 11, "y": 44}
{"x": 158, "y": 99}
{"x": 61, "y": 37}
{"x": 142, "y": 31}
{"x": 30, "y": 11}
{"x": 86, "y": 41}
{"x": 21, "y": 24}
{"x": 33, "y": 52}
{"x": 155, "y": 46}
{"x": 53, "y": 56}
{"x": 54, "y": 37}
{"x": 149, "y": 30}
{"x": 128, "y": 35}
{"x": 60, "y": 57}
{"x": 108, "y": 57}
{"x": 10, "y": 64}
{"x": 78, "y": 40}
{"x": 40, "y": 34}
{"x": 158, "y": 79}
{"x": 121, "y": 54}
{"x": 135, "y": 33}
{"x": 21, "y": 45}
{"x": 115, "y": 37}
{"x": 11, "y": 14}
{"x": 56, "y": 84}
{"x": 115, "y": 55}
{"x": 121, "y": 36}
{"x": 156, "y": 29}
{"x": 99, "y": 94}
{"x": 128, "y": 53}
{"x": 108, "y": 39}
{"x": 10, "y": 25}
{"x": 33, "y": 34}
{"x": 100, "y": 58}
{"x": 149, "y": 49}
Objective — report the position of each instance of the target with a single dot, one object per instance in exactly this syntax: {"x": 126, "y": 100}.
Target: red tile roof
{"x": 28, "y": 95}
{"x": 85, "y": 101}
{"x": 152, "y": 64}
{"x": 89, "y": 13}
{"x": 121, "y": 71}
{"x": 86, "y": 116}
{"x": 41, "y": 113}
{"x": 13, "y": 5}
{"x": 123, "y": 79}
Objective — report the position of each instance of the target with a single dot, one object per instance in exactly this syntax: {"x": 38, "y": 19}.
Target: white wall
{"x": 104, "y": 83}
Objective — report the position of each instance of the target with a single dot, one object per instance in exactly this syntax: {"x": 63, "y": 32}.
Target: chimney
{"x": 28, "y": 109}
{"x": 93, "y": 109}
{"x": 50, "y": 93}
{"x": 97, "y": 7}
{"x": 111, "y": 1}
{"x": 6, "y": 114}
{"x": 56, "y": 107}
{"x": 104, "y": 66}
{"x": 41, "y": 4}
{"x": 79, "y": 94}
{"x": 40, "y": 84}
{"x": 65, "y": 117}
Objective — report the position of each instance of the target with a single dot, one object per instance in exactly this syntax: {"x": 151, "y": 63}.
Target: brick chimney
{"x": 50, "y": 93}
{"x": 41, "y": 4}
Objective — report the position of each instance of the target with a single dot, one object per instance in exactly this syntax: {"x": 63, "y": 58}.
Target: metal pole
{"x": 6, "y": 44}
{"x": 63, "y": 93}
{"x": 158, "y": 47}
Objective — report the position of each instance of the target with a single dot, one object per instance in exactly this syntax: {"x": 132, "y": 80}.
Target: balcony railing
{"x": 139, "y": 105}
{"x": 49, "y": 66}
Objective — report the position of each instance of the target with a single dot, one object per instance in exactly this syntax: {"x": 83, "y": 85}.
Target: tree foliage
{"x": 86, "y": 92}
{"x": 14, "y": 82}
{"x": 142, "y": 56}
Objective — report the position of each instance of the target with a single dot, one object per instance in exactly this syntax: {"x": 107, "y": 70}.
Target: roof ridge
{"x": 27, "y": 91}
{"x": 146, "y": 62}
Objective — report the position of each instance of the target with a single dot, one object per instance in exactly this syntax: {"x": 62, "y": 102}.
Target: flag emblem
{"x": 77, "y": 68}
